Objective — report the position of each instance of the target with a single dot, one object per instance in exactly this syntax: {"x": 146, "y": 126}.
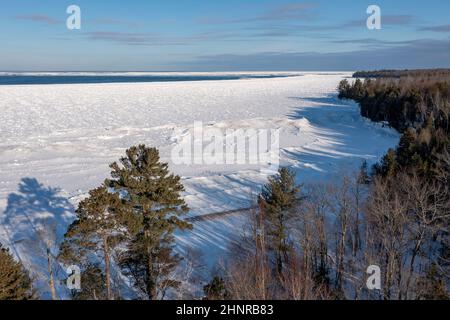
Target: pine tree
{"x": 216, "y": 290}
{"x": 406, "y": 148}
{"x": 155, "y": 197}
{"x": 99, "y": 228}
{"x": 432, "y": 285}
{"x": 363, "y": 176}
{"x": 279, "y": 198}
{"x": 357, "y": 90}
{"x": 94, "y": 284}
{"x": 344, "y": 89}
{"x": 388, "y": 165}
{"x": 15, "y": 283}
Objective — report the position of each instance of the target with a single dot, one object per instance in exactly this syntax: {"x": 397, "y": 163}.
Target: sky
{"x": 231, "y": 35}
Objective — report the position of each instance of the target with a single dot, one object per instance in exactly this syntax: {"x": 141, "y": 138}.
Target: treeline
{"x": 403, "y": 103}
{"x": 321, "y": 245}
{"x": 302, "y": 242}
{"x": 402, "y": 73}
{"x": 417, "y": 104}
{"x": 419, "y": 108}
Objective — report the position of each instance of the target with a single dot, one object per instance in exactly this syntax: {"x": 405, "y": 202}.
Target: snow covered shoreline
{"x": 58, "y": 140}
{"x": 66, "y": 135}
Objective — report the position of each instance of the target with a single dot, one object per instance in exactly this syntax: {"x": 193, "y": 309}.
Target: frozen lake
{"x": 58, "y": 140}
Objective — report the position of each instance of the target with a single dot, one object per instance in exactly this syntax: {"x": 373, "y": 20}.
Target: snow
{"x": 58, "y": 140}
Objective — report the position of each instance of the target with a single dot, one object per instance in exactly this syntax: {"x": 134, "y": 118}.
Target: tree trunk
{"x": 411, "y": 266}
{"x": 107, "y": 267}
{"x": 51, "y": 281}
{"x": 151, "y": 284}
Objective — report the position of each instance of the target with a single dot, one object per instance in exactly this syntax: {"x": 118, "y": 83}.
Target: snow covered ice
{"x": 58, "y": 140}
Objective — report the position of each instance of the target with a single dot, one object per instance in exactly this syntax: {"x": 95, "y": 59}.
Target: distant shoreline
{"x": 96, "y": 78}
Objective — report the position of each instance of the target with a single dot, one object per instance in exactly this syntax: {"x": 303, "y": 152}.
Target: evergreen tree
{"x": 93, "y": 284}
{"x": 279, "y": 199}
{"x": 363, "y": 176}
{"x": 344, "y": 89}
{"x": 406, "y": 148}
{"x": 358, "y": 90}
{"x": 216, "y": 290}
{"x": 15, "y": 283}
{"x": 432, "y": 286}
{"x": 388, "y": 166}
{"x": 154, "y": 196}
{"x": 99, "y": 228}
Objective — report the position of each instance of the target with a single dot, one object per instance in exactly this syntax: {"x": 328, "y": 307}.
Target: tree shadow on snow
{"x": 343, "y": 136}
{"x": 35, "y": 220}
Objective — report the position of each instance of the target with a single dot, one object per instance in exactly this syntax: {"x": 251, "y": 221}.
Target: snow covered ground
{"x": 58, "y": 140}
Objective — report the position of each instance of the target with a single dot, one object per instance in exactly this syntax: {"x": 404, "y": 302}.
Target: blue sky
{"x": 227, "y": 35}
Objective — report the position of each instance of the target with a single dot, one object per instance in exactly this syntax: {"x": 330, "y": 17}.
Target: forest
{"x": 417, "y": 104}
